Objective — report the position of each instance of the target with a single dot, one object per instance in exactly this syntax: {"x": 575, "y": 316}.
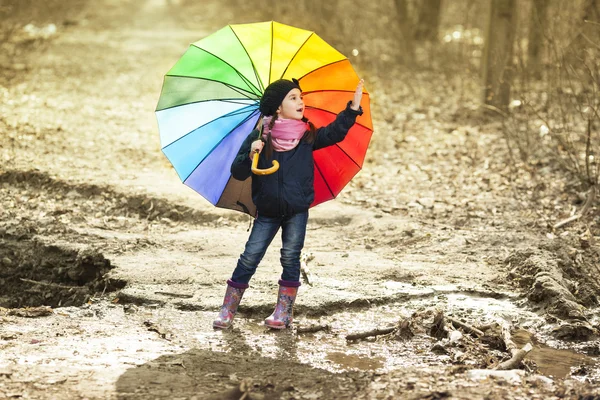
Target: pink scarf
{"x": 286, "y": 133}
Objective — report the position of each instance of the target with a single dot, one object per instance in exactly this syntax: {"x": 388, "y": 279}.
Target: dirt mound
{"x": 92, "y": 199}
{"x": 562, "y": 280}
{"x": 35, "y": 274}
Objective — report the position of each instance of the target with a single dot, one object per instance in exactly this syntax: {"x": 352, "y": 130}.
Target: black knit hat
{"x": 274, "y": 95}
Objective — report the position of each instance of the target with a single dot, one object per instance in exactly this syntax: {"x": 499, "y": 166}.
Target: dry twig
{"x": 468, "y": 328}
{"x": 305, "y": 257}
{"x": 588, "y": 203}
{"x": 50, "y": 284}
{"x": 313, "y": 328}
{"x": 374, "y": 332}
{"x": 517, "y": 354}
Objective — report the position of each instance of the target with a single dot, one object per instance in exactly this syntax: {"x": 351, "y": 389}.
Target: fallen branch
{"x": 178, "y": 295}
{"x": 50, "y": 284}
{"x": 469, "y": 329}
{"x": 517, "y": 354}
{"x": 305, "y": 257}
{"x": 566, "y": 221}
{"x": 163, "y": 333}
{"x": 313, "y": 328}
{"x": 403, "y": 331}
{"x": 439, "y": 329}
{"x": 494, "y": 109}
{"x": 486, "y": 327}
{"x": 515, "y": 360}
{"x": 588, "y": 203}
{"x": 241, "y": 392}
{"x": 507, "y": 337}
{"x": 374, "y": 332}
{"x": 31, "y": 312}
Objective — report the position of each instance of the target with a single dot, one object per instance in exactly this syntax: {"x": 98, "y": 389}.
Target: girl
{"x": 282, "y": 199}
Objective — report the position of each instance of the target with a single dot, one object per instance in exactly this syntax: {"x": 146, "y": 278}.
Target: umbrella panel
{"x": 185, "y": 119}
{"x": 198, "y": 63}
{"x": 314, "y": 54}
{"x": 356, "y": 142}
{"x": 256, "y": 39}
{"x": 212, "y": 175}
{"x": 333, "y": 170}
{"x": 335, "y": 76}
{"x": 335, "y": 101}
{"x": 177, "y": 91}
{"x": 225, "y": 45}
{"x": 189, "y": 151}
{"x": 287, "y": 41}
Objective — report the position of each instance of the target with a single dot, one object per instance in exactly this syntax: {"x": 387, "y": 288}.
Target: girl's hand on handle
{"x": 357, "y": 95}
{"x": 256, "y": 147}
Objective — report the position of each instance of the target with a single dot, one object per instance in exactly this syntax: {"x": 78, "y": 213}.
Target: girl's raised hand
{"x": 357, "y": 95}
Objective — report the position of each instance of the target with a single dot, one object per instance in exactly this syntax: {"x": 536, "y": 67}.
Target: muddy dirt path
{"x": 96, "y": 224}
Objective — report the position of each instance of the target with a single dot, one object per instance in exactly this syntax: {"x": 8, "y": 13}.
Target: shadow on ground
{"x": 206, "y": 374}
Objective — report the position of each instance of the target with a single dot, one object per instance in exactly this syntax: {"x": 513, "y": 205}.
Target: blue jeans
{"x": 293, "y": 231}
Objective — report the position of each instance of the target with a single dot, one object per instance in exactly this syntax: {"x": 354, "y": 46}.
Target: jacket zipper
{"x": 279, "y": 198}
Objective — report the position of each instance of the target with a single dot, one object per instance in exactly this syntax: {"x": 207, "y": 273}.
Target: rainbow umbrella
{"x": 209, "y": 104}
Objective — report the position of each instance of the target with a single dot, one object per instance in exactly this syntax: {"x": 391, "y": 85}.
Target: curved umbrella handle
{"x": 267, "y": 171}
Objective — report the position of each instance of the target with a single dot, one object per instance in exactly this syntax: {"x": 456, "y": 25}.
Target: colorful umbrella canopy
{"x": 209, "y": 104}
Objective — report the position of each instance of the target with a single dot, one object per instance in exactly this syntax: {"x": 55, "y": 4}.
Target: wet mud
{"x": 562, "y": 282}
{"x": 37, "y": 274}
{"x": 112, "y": 271}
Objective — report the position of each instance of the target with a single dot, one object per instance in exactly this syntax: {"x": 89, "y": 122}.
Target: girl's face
{"x": 292, "y": 106}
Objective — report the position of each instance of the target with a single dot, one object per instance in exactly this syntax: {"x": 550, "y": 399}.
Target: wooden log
{"x": 374, "y": 332}
{"x": 517, "y": 354}
{"x": 403, "y": 331}
{"x": 439, "y": 329}
{"x": 313, "y": 328}
{"x": 305, "y": 257}
{"x": 507, "y": 337}
{"x": 515, "y": 360}
{"x": 469, "y": 329}
{"x": 486, "y": 327}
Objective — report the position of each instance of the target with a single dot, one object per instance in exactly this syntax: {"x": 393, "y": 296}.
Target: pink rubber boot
{"x": 283, "y": 315}
{"x": 233, "y": 296}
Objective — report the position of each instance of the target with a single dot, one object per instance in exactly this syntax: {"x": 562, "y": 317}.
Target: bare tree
{"x": 406, "y": 28}
{"x": 535, "y": 43}
{"x": 428, "y": 20}
{"x": 497, "y": 60}
{"x": 591, "y": 11}
{"x": 591, "y": 26}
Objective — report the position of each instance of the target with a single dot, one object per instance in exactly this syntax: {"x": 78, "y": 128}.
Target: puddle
{"x": 554, "y": 363}
{"x": 331, "y": 351}
{"x": 125, "y": 337}
{"x": 353, "y": 361}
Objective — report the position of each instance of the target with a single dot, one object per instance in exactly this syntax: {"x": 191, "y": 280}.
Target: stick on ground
{"x": 374, "y": 332}
{"x": 515, "y": 360}
{"x": 468, "y": 328}
{"x": 517, "y": 354}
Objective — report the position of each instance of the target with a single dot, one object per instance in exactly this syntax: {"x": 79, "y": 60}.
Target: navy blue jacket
{"x": 289, "y": 190}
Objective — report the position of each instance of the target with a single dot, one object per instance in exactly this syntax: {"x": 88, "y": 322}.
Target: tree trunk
{"x": 406, "y": 29}
{"x": 497, "y": 61}
{"x": 591, "y": 11}
{"x": 429, "y": 20}
{"x": 591, "y": 27}
{"x": 535, "y": 43}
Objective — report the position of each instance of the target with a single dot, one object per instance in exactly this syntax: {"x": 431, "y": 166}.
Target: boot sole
{"x": 276, "y": 326}
{"x": 217, "y": 326}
